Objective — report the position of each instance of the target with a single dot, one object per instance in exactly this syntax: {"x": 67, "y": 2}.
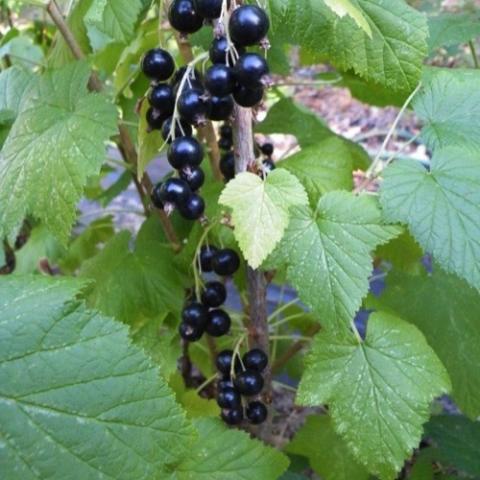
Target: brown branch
{"x": 125, "y": 143}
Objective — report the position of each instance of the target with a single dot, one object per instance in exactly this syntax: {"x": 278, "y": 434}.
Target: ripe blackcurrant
{"x": 224, "y": 383}
{"x": 224, "y": 361}
{"x": 226, "y": 131}
{"x": 195, "y": 314}
{"x": 182, "y": 129}
{"x": 256, "y": 412}
{"x": 219, "y": 80}
{"x": 225, "y": 144}
{"x": 229, "y": 398}
{"x": 251, "y": 70}
{"x": 248, "y": 25}
{"x": 194, "y": 79}
{"x": 158, "y": 64}
{"x": 155, "y": 118}
{"x": 218, "y": 323}
{"x": 189, "y": 332}
{"x": 193, "y": 106}
{"x": 174, "y": 190}
{"x": 233, "y": 416}
{"x": 269, "y": 165}
{"x": 161, "y": 97}
{"x": 185, "y": 152}
{"x": 183, "y": 16}
{"x": 227, "y": 165}
{"x": 156, "y": 196}
{"x": 219, "y": 51}
{"x": 267, "y": 149}
{"x": 207, "y": 252}
{"x": 249, "y": 383}
{"x": 210, "y": 9}
{"x": 194, "y": 177}
{"x": 247, "y": 97}
{"x": 255, "y": 359}
{"x": 226, "y": 262}
{"x": 192, "y": 208}
{"x": 220, "y": 108}
{"x": 214, "y": 294}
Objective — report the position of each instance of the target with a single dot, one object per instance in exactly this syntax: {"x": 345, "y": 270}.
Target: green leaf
{"x": 224, "y": 454}
{"x": 326, "y": 450}
{"x": 378, "y": 391}
{"x": 392, "y": 57}
{"x": 22, "y": 51}
{"x": 403, "y": 252}
{"x": 323, "y": 167}
{"x": 328, "y": 254}
{"x": 129, "y": 283}
{"x": 449, "y": 29}
{"x": 455, "y": 307}
{"x": 77, "y": 400}
{"x": 260, "y": 210}
{"x": 347, "y": 7}
{"x": 457, "y": 439}
{"x": 14, "y": 82}
{"x": 449, "y": 105}
{"x": 440, "y": 207}
{"x": 56, "y": 143}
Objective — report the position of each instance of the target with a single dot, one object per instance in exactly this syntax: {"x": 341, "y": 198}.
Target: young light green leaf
{"x": 224, "y": 454}
{"x": 56, "y": 143}
{"x": 379, "y": 391}
{"x": 346, "y": 7}
{"x": 440, "y": 207}
{"x": 326, "y": 450}
{"x": 77, "y": 399}
{"x": 328, "y": 254}
{"x": 450, "y": 322}
{"x": 260, "y": 210}
{"x": 449, "y": 104}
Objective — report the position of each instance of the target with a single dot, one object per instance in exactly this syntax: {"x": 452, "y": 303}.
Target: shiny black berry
{"x": 193, "y": 106}
{"x": 207, "y": 252}
{"x": 210, "y": 9}
{"x": 193, "y": 208}
{"x": 183, "y": 16}
{"x": 195, "y": 314}
{"x": 182, "y": 129}
{"x": 218, "y": 323}
{"x": 227, "y": 165}
{"x": 194, "y": 177}
{"x": 214, "y": 294}
{"x": 226, "y": 131}
{"x": 226, "y": 262}
{"x": 251, "y": 70}
{"x": 225, "y": 144}
{"x": 158, "y": 64}
{"x": 189, "y": 332}
{"x": 156, "y": 196}
{"x": 249, "y": 383}
{"x": 257, "y": 412}
{"x": 155, "y": 118}
{"x": 225, "y": 382}
{"x": 161, "y": 97}
{"x": 267, "y": 149}
{"x": 194, "y": 80}
{"x": 248, "y": 25}
{"x": 219, "y": 80}
{"x": 185, "y": 152}
{"x": 219, "y": 51}
{"x": 174, "y": 190}
{"x": 255, "y": 359}
{"x": 224, "y": 361}
{"x": 247, "y": 97}
{"x": 220, "y": 108}
{"x": 229, "y": 398}
{"x": 233, "y": 416}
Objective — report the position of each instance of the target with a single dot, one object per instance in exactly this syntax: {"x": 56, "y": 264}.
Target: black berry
{"x": 189, "y": 332}
{"x": 224, "y": 362}
{"x": 255, "y": 359}
{"x": 249, "y": 382}
{"x": 267, "y": 149}
{"x": 214, "y": 294}
{"x": 232, "y": 417}
{"x": 225, "y": 143}
{"x": 182, "y": 129}
{"x": 219, "y": 80}
{"x": 226, "y": 131}
{"x": 247, "y": 97}
{"x": 218, "y": 323}
{"x": 251, "y": 70}
{"x": 185, "y": 152}
{"x": 155, "y": 118}
{"x": 269, "y": 165}
{"x": 224, "y": 383}
{"x": 174, "y": 190}
{"x": 161, "y": 97}
{"x": 193, "y": 106}
{"x": 248, "y": 25}
{"x": 210, "y": 9}
{"x": 256, "y": 412}
{"x": 156, "y": 196}
{"x": 194, "y": 177}
{"x": 229, "y": 398}
{"x": 158, "y": 64}
{"x": 226, "y": 262}
{"x": 220, "y": 108}
{"x": 227, "y": 165}
{"x": 207, "y": 252}
{"x": 219, "y": 51}
{"x": 195, "y": 314}
{"x": 192, "y": 208}
{"x": 194, "y": 79}
{"x": 183, "y": 16}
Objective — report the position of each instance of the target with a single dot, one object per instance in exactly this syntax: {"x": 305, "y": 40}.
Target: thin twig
{"x": 474, "y": 54}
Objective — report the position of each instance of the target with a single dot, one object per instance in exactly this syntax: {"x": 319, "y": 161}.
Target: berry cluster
{"x": 241, "y": 378}
{"x": 203, "y": 316}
